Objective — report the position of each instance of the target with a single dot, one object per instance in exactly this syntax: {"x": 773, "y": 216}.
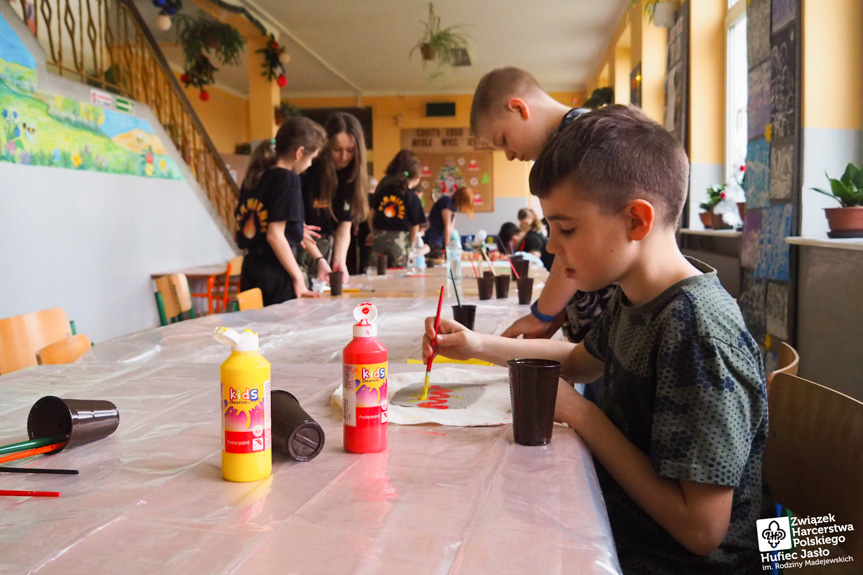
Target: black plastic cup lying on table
{"x": 533, "y": 392}
{"x": 336, "y": 283}
{"x": 80, "y": 420}
{"x": 382, "y": 265}
{"x": 525, "y": 290}
{"x": 485, "y": 285}
{"x": 464, "y": 314}
{"x": 295, "y": 433}
{"x": 501, "y": 285}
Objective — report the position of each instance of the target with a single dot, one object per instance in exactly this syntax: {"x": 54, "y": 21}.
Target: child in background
{"x": 442, "y": 219}
{"x": 680, "y": 428}
{"x": 528, "y": 221}
{"x": 397, "y": 212}
{"x": 511, "y": 112}
{"x": 270, "y": 212}
{"x": 511, "y": 240}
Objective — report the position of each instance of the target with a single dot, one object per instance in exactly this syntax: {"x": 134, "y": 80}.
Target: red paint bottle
{"x": 364, "y": 386}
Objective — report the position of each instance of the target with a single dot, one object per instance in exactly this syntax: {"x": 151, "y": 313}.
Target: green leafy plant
{"x": 715, "y": 194}
{"x": 438, "y": 43}
{"x": 600, "y": 97}
{"x": 847, "y": 190}
{"x": 201, "y": 36}
{"x": 285, "y": 110}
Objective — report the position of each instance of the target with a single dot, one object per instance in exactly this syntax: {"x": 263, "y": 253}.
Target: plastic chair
{"x": 175, "y": 298}
{"x": 813, "y": 461}
{"x": 23, "y": 335}
{"x": 66, "y": 350}
{"x": 787, "y": 361}
{"x": 250, "y": 299}
{"x": 232, "y": 283}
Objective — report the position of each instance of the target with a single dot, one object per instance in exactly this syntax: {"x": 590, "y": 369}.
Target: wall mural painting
{"x": 42, "y": 129}
{"x": 783, "y": 75}
{"x": 781, "y": 169}
{"x": 777, "y": 310}
{"x": 757, "y": 32}
{"x": 753, "y": 295}
{"x": 773, "y": 257}
{"x": 784, "y": 12}
{"x": 750, "y": 241}
{"x": 759, "y": 100}
{"x": 757, "y": 181}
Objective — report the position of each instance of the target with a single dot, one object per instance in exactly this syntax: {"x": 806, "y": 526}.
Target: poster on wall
{"x": 635, "y": 86}
{"x": 783, "y": 88}
{"x": 677, "y": 78}
{"x": 451, "y": 158}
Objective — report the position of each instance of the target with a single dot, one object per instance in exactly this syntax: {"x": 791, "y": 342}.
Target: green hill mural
{"x": 41, "y": 129}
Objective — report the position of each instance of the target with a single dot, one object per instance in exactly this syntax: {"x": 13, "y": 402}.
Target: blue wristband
{"x": 539, "y": 315}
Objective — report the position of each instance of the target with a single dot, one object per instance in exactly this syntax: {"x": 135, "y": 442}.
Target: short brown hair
{"x": 495, "y": 89}
{"x": 614, "y": 155}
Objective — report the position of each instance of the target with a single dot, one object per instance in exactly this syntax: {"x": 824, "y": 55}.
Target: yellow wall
{"x": 707, "y": 81}
{"x": 225, "y": 117}
{"x": 833, "y": 64}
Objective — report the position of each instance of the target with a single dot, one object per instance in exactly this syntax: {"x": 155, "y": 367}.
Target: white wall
{"x": 88, "y": 241}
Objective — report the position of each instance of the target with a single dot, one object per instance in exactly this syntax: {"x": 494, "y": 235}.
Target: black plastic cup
{"x": 488, "y": 274}
{"x": 516, "y": 262}
{"x": 464, "y": 314}
{"x": 485, "y": 285}
{"x": 522, "y": 267}
{"x": 336, "y": 283}
{"x": 295, "y": 433}
{"x": 525, "y": 290}
{"x": 501, "y": 284}
{"x": 533, "y": 392}
{"x": 80, "y": 420}
{"x": 382, "y": 265}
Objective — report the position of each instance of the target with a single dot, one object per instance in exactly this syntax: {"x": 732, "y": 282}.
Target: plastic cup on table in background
{"x": 464, "y": 314}
{"x": 485, "y": 285}
{"x": 487, "y": 274}
{"x": 382, "y": 264}
{"x": 522, "y": 267}
{"x": 525, "y": 290}
{"x": 516, "y": 262}
{"x": 81, "y": 420}
{"x": 295, "y": 433}
{"x": 533, "y": 392}
{"x": 336, "y": 283}
{"x": 501, "y": 284}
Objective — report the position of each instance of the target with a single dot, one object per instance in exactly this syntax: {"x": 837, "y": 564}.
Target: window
{"x": 736, "y": 70}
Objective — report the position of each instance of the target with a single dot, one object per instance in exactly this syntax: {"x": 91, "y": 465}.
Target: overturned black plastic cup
{"x": 533, "y": 392}
{"x": 501, "y": 284}
{"x": 295, "y": 433}
{"x": 485, "y": 285}
{"x": 382, "y": 264}
{"x": 464, "y": 314}
{"x": 525, "y": 290}
{"x": 80, "y": 420}
{"x": 336, "y": 283}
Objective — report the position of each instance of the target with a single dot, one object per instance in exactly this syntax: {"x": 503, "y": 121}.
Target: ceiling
{"x": 341, "y": 47}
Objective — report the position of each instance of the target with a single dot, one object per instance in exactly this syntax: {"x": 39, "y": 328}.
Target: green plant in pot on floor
{"x": 845, "y": 221}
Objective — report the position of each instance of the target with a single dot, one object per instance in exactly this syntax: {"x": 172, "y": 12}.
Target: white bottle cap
{"x": 246, "y": 340}
{"x": 365, "y": 314}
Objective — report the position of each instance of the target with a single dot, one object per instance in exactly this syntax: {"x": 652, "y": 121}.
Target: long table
{"x": 150, "y": 498}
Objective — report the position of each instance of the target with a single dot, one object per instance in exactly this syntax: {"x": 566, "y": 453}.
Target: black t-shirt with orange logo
{"x": 395, "y": 210}
{"x": 317, "y": 211}
{"x": 277, "y": 198}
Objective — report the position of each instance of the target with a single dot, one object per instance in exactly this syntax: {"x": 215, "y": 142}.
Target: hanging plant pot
{"x": 663, "y": 14}
{"x": 428, "y": 53}
{"x": 845, "y": 222}
{"x": 706, "y": 219}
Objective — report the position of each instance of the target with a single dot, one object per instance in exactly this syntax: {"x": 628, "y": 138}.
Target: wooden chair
{"x": 21, "y": 336}
{"x": 65, "y": 350}
{"x": 787, "y": 361}
{"x": 250, "y": 299}
{"x": 232, "y": 283}
{"x": 176, "y": 299}
{"x": 813, "y": 462}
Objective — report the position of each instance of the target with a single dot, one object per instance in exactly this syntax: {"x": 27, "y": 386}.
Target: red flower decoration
{"x": 184, "y": 78}
{"x": 274, "y": 46}
{"x": 204, "y": 95}
{"x": 149, "y": 158}
{"x": 282, "y": 81}
{"x": 722, "y": 195}
{"x": 742, "y": 168}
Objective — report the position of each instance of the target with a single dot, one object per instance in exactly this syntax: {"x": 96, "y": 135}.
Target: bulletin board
{"x": 451, "y": 157}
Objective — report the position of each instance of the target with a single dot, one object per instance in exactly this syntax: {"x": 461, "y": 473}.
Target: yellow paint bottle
{"x": 246, "y": 426}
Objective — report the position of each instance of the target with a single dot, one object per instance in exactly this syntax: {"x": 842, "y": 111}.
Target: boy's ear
{"x": 520, "y": 107}
{"x": 642, "y": 217}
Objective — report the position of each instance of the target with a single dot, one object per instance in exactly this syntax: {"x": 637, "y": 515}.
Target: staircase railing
{"x": 107, "y": 45}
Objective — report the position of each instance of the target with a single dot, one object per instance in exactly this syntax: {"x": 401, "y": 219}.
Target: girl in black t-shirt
{"x": 270, "y": 214}
{"x": 442, "y": 218}
{"x": 396, "y": 211}
{"x": 335, "y": 190}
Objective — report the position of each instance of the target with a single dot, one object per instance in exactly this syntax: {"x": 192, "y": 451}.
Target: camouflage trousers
{"x": 307, "y": 263}
{"x": 394, "y": 244}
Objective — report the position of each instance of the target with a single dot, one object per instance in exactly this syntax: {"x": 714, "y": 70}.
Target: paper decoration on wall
{"x": 477, "y": 199}
{"x": 42, "y": 129}
{"x": 750, "y": 242}
{"x": 759, "y": 100}
{"x": 757, "y": 32}
{"x": 424, "y": 185}
{"x": 781, "y": 170}
{"x": 486, "y": 179}
{"x": 783, "y": 81}
{"x": 461, "y": 161}
{"x": 784, "y": 12}
{"x": 474, "y": 182}
{"x": 777, "y": 310}
{"x": 473, "y": 165}
{"x": 774, "y": 252}
{"x": 753, "y": 295}
{"x": 448, "y": 179}
{"x": 757, "y": 181}
{"x": 426, "y": 171}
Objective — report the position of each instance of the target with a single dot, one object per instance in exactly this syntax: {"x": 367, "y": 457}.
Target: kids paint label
{"x": 364, "y": 394}
{"x": 246, "y": 421}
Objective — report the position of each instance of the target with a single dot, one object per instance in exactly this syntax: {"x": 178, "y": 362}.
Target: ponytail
{"x": 295, "y": 133}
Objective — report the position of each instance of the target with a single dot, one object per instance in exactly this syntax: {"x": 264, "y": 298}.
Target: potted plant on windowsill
{"x": 438, "y": 43}
{"x": 845, "y": 221}
{"x": 715, "y": 194}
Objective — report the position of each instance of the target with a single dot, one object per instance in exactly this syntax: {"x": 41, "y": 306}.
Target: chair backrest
{"x": 813, "y": 462}
{"x": 65, "y": 350}
{"x": 787, "y": 361}
{"x": 232, "y": 278}
{"x": 175, "y": 295}
{"x": 22, "y": 335}
{"x": 250, "y": 299}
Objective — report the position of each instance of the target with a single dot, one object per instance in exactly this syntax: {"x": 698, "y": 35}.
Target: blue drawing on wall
{"x": 784, "y": 12}
{"x": 757, "y": 181}
{"x": 750, "y": 242}
{"x": 774, "y": 253}
{"x": 12, "y": 48}
{"x": 759, "y": 100}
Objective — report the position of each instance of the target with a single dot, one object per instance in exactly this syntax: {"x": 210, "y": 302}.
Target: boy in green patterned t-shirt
{"x": 681, "y": 425}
